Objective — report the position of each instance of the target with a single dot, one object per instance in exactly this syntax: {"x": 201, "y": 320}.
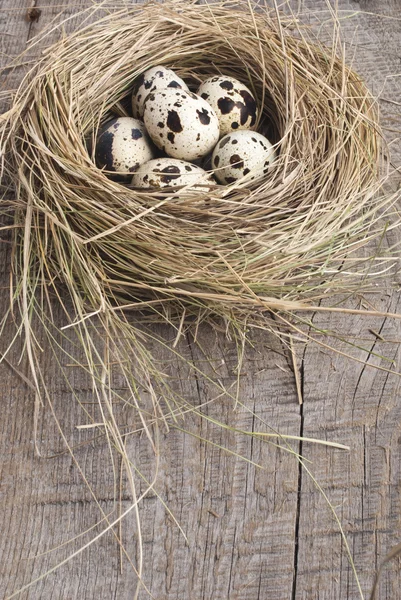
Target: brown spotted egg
{"x": 233, "y": 102}
{"x": 122, "y": 144}
{"x": 171, "y": 172}
{"x": 241, "y": 153}
{"x": 156, "y": 78}
{"x": 182, "y": 124}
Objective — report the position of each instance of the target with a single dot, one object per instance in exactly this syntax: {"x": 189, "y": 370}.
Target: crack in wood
{"x": 300, "y": 468}
{"x": 81, "y": 501}
{"x": 299, "y": 491}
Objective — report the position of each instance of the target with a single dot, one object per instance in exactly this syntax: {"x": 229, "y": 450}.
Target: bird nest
{"x": 231, "y": 249}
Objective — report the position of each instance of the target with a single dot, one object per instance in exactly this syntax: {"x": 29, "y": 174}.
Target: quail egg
{"x": 156, "y": 78}
{"x": 171, "y": 172}
{"x": 233, "y": 102}
{"x": 240, "y": 153}
{"x": 182, "y": 124}
{"x": 122, "y": 145}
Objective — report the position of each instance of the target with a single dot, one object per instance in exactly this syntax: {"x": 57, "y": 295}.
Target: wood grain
{"x": 253, "y": 533}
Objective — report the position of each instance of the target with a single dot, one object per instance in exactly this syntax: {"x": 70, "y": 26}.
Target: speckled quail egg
{"x": 233, "y": 102}
{"x": 171, "y": 172}
{"x": 182, "y": 124}
{"x": 122, "y": 145}
{"x": 156, "y": 78}
{"x": 240, "y": 153}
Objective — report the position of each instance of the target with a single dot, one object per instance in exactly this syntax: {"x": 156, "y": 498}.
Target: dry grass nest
{"x": 232, "y": 249}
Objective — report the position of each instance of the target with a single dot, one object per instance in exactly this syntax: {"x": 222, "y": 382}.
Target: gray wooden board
{"x": 252, "y": 533}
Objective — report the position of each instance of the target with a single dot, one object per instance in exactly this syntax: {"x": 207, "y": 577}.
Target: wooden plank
{"x": 241, "y": 522}
{"x": 350, "y": 402}
{"x": 226, "y": 508}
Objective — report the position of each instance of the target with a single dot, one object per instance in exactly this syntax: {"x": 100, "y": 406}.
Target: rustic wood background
{"x": 254, "y": 533}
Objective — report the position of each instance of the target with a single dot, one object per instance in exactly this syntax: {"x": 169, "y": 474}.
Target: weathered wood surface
{"x": 253, "y": 533}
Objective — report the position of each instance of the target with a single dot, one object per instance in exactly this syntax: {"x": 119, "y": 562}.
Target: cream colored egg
{"x": 241, "y": 153}
{"x": 156, "y": 78}
{"x": 233, "y": 102}
{"x": 171, "y": 172}
{"x": 182, "y": 124}
{"x": 122, "y": 145}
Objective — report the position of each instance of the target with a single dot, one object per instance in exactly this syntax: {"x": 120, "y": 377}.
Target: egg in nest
{"x": 156, "y": 78}
{"x": 122, "y": 144}
{"x": 241, "y": 153}
{"x": 181, "y": 123}
{"x": 233, "y": 102}
{"x": 171, "y": 172}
